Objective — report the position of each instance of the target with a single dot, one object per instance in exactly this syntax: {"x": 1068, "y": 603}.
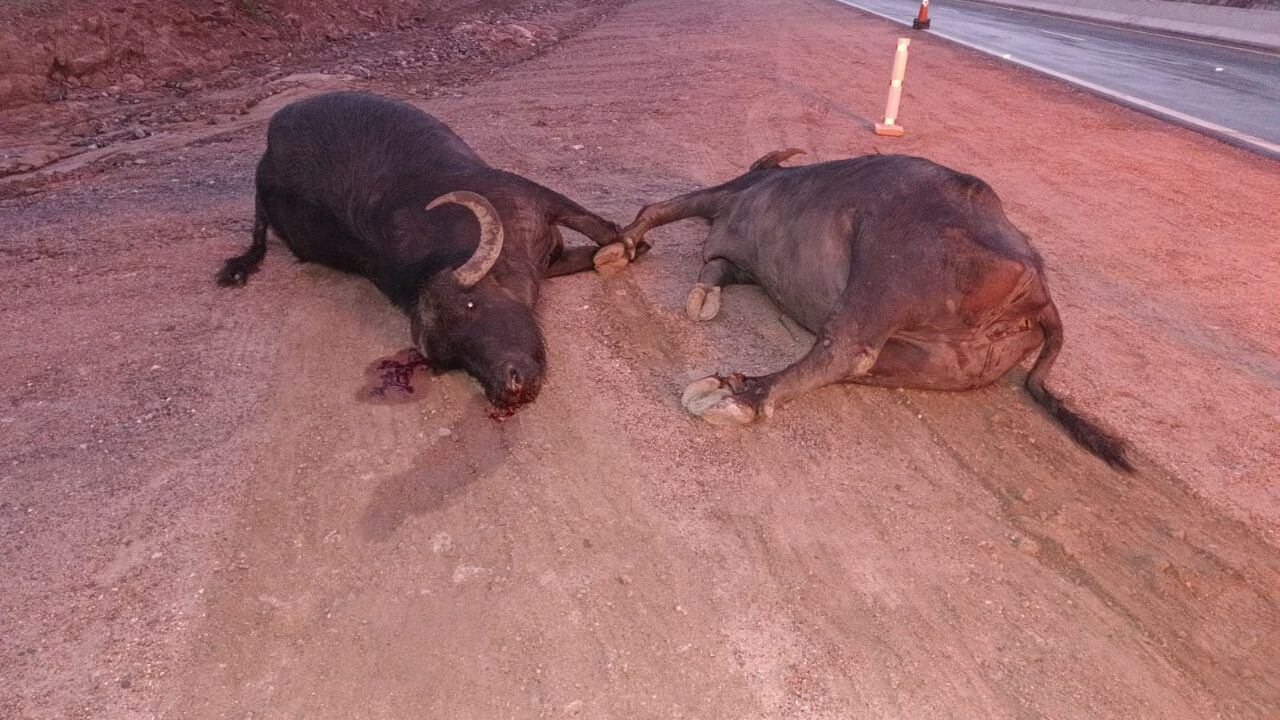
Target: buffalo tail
{"x": 235, "y": 271}
{"x": 1090, "y": 436}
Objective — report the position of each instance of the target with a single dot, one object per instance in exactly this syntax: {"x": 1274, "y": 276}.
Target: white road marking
{"x": 1127, "y": 28}
{"x": 1231, "y": 135}
{"x": 1063, "y": 35}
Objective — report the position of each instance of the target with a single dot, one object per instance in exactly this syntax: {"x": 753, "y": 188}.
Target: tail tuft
{"x": 1088, "y": 435}
{"x": 235, "y": 271}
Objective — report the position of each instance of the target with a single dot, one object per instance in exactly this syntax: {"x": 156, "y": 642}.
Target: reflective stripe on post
{"x": 889, "y": 126}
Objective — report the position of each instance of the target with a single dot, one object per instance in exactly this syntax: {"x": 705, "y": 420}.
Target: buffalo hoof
{"x": 611, "y": 259}
{"x": 703, "y": 302}
{"x": 714, "y": 402}
{"x": 635, "y": 247}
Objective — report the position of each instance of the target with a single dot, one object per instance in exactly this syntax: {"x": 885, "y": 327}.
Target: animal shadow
{"x": 441, "y": 474}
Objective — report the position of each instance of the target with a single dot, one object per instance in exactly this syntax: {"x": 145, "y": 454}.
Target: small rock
{"x": 463, "y": 573}
{"x": 444, "y": 432}
{"x": 576, "y": 147}
{"x": 132, "y": 83}
{"x": 1029, "y": 495}
{"x": 1027, "y": 545}
{"x": 573, "y": 708}
{"x": 624, "y": 579}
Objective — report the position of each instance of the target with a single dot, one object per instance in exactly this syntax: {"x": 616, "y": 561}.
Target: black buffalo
{"x": 908, "y": 272}
{"x": 379, "y": 188}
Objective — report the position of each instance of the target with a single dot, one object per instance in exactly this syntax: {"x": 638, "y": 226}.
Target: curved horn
{"x": 490, "y": 246}
{"x": 775, "y": 158}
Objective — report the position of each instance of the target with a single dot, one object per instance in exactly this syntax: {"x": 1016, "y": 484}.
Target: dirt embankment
{"x": 53, "y": 50}
{"x": 78, "y": 77}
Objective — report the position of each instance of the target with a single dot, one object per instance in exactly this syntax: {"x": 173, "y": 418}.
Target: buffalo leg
{"x": 576, "y": 218}
{"x": 572, "y": 260}
{"x": 704, "y": 299}
{"x": 701, "y": 203}
{"x": 570, "y": 214}
{"x": 611, "y": 257}
{"x": 846, "y": 349}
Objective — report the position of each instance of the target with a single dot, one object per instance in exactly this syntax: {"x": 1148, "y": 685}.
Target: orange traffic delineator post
{"x": 922, "y": 20}
{"x": 889, "y": 126}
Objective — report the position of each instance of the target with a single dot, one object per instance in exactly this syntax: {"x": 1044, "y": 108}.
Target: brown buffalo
{"x": 908, "y": 272}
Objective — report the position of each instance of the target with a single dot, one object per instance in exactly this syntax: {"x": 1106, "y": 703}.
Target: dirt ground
{"x": 84, "y": 82}
{"x": 199, "y": 519}
{"x": 79, "y": 50}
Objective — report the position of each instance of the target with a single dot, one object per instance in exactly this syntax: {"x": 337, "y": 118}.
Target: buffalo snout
{"x": 513, "y": 383}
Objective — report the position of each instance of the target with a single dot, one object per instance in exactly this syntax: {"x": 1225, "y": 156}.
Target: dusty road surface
{"x": 198, "y": 519}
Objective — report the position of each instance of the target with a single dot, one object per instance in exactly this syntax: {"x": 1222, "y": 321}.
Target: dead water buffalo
{"x": 379, "y": 188}
{"x": 908, "y": 272}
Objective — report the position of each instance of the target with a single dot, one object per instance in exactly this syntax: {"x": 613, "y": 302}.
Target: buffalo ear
{"x": 411, "y": 357}
{"x": 425, "y": 361}
{"x": 417, "y": 356}
{"x": 417, "y": 329}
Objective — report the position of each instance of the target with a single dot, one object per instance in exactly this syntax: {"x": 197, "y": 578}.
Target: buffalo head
{"x": 464, "y": 319}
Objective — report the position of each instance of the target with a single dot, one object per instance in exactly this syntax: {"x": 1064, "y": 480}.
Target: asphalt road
{"x": 1227, "y": 91}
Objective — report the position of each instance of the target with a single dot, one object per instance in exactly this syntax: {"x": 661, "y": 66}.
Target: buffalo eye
{"x": 470, "y": 304}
